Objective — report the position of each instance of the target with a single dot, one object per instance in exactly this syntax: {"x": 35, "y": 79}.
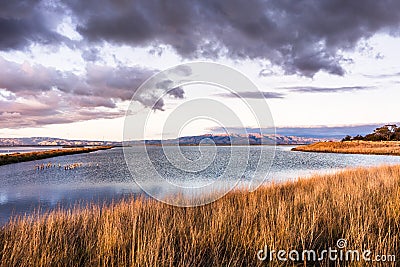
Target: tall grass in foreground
{"x": 354, "y": 147}
{"x": 361, "y": 205}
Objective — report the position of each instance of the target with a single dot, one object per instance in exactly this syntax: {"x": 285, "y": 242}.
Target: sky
{"x": 69, "y": 69}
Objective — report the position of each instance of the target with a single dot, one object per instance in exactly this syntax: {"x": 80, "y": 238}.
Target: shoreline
{"x": 359, "y": 205}
{"x": 389, "y": 148}
{"x": 37, "y": 155}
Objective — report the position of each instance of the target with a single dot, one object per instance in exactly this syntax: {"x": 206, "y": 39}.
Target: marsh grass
{"x": 354, "y": 147}
{"x": 360, "y": 205}
{"x": 36, "y": 155}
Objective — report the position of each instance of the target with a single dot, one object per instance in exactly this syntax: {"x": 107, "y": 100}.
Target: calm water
{"x": 103, "y": 175}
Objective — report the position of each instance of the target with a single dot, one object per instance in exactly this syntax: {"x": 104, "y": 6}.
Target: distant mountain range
{"x": 236, "y": 139}
{"x": 219, "y": 139}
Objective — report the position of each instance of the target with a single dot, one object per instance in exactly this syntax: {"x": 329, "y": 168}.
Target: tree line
{"x": 389, "y": 132}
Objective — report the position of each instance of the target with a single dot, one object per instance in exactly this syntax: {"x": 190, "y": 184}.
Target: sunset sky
{"x": 70, "y": 68}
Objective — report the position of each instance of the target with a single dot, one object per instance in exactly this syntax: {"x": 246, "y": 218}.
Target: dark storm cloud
{"x": 24, "y": 22}
{"x": 255, "y": 95}
{"x": 300, "y": 36}
{"x": 16, "y": 77}
{"x": 51, "y": 108}
{"x": 311, "y": 89}
{"x": 99, "y": 86}
{"x": 120, "y": 82}
{"x": 383, "y": 75}
{"x": 99, "y": 81}
{"x": 167, "y": 86}
{"x": 34, "y": 95}
{"x": 176, "y": 92}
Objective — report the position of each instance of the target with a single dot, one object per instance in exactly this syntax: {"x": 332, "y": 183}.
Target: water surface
{"x": 103, "y": 175}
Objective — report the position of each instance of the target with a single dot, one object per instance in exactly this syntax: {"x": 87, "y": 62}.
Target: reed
{"x": 359, "y": 205}
{"x": 354, "y": 147}
{"x": 30, "y": 156}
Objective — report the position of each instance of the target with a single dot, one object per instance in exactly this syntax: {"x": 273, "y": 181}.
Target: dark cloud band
{"x": 35, "y": 95}
{"x": 255, "y": 95}
{"x": 302, "y": 37}
{"x": 312, "y": 89}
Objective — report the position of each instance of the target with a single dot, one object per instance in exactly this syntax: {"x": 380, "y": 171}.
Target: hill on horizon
{"x": 219, "y": 139}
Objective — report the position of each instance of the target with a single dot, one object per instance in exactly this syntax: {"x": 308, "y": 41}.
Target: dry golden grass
{"x": 29, "y": 156}
{"x": 361, "y": 205}
{"x": 354, "y": 147}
